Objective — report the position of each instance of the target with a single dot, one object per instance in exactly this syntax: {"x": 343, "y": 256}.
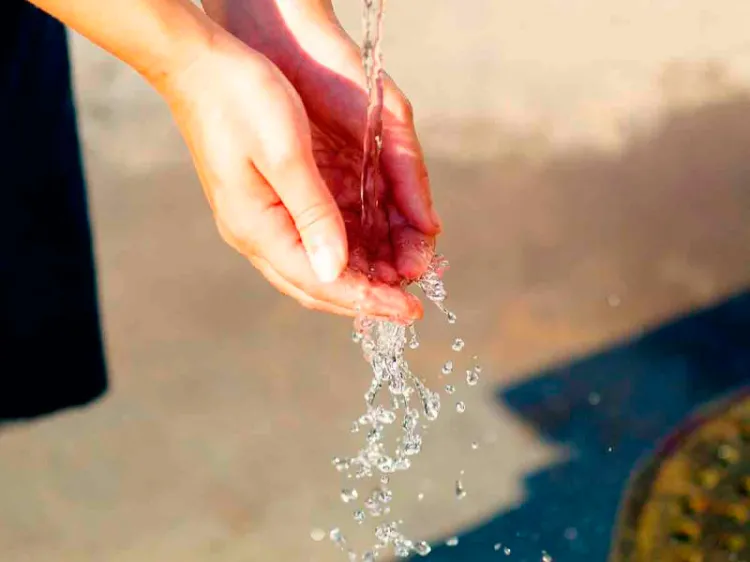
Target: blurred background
{"x": 591, "y": 161}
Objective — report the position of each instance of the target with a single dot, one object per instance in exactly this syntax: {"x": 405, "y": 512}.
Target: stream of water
{"x": 372, "y": 60}
{"x": 398, "y": 404}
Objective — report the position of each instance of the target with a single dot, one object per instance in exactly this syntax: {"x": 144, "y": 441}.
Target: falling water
{"x": 396, "y": 398}
{"x": 372, "y": 61}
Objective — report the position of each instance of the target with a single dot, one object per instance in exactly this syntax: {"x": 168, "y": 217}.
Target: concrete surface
{"x": 591, "y": 162}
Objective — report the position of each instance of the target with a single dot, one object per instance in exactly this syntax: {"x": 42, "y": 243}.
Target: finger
{"x": 369, "y": 297}
{"x": 414, "y": 250}
{"x": 403, "y": 163}
{"x": 391, "y": 304}
{"x": 283, "y": 286}
{"x": 385, "y": 272}
{"x": 284, "y": 157}
{"x": 269, "y": 232}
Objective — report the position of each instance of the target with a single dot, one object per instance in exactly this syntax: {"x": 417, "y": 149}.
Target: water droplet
{"x": 341, "y": 464}
{"x": 384, "y": 416}
{"x": 385, "y": 464}
{"x": 414, "y": 339}
{"x": 357, "y": 337}
{"x": 450, "y": 389}
{"x": 460, "y": 407}
{"x": 412, "y": 445}
{"x": 368, "y": 346}
{"x": 447, "y": 368}
{"x": 546, "y": 557}
{"x": 359, "y": 516}
{"x": 317, "y": 535}
{"x": 402, "y": 551}
{"x": 385, "y": 480}
{"x": 384, "y": 495}
{"x": 349, "y": 495}
{"x": 475, "y": 445}
{"x": 472, "y": 378}
{"x": 420, "y": 496}
{"x": 403, "y": 464}
{"x": 422, "y": 548}
{"x": 594, "y": 398}
{"x": 453, "y": 541}
{"x": 460, "y": 492}
{"x": 368, "y": 557}
{"x": 506, "y": 551}
{"x": 372, "y": 505}
{"x": 373, "y": 436}
{"x": 451, "y": 318}
{"x": 432, "y": 406}
{"x": 458, "y": 344}
{"x": 385, "y": 532}
{"x": 336, "y": 535}
{"x": 478, "y": 369}
{"x": 498, "y": 546}
{"x": 355, "y": 428}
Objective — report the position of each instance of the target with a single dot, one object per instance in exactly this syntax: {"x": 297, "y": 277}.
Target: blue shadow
{"x": 608, "y": 410}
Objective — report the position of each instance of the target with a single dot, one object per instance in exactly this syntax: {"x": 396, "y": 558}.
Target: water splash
{"x": 396, "y": 400}
{"x": 460, "y": 490}
{"x": 395, "y": 394}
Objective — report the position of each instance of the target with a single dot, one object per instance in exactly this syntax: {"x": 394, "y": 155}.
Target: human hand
{"x": 303, "y": 38}
{"x": 278, "y": 190}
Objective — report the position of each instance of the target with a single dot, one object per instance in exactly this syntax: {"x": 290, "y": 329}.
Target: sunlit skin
{"x": 270, "y": 98}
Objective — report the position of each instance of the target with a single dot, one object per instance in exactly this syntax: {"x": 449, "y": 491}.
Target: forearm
{"x": 156, "y": 37}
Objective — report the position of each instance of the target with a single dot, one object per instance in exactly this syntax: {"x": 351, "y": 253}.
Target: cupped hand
{"x": 306, "y": 41}
{"x": 282, "y": 175}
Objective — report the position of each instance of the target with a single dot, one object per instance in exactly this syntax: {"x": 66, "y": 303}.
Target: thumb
{"x": 297, "y": 181}
{"x": 284, "y": 157}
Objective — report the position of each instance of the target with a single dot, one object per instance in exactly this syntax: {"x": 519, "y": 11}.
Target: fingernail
{"x": 325, "y": 263}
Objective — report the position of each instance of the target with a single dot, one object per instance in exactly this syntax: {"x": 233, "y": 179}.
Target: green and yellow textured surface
{"x": 691, "y": 501}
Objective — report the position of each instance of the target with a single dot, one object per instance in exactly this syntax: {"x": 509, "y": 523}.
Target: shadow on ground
{"x": 608, "y": 410}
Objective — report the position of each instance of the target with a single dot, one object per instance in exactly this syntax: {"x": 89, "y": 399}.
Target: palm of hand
{"x": 371, "y": 252}
{"x": 394, "y": 248}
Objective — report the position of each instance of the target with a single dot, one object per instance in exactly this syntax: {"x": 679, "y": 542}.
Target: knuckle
{"x": 236, "y": 237}
{"x": 314, "y": 214}
{"x": 284, "y": 156}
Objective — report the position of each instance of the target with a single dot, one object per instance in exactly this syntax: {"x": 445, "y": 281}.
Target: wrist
{"x": 189, "y": 38}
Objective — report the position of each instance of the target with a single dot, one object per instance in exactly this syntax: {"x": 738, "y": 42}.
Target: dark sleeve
{"x": 51, "y": 353}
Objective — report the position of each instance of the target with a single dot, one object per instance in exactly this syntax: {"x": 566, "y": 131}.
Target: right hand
{"x": 250, "y": 139}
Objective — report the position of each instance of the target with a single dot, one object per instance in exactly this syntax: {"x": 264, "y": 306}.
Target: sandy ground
{"x": 591, "y": 163}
